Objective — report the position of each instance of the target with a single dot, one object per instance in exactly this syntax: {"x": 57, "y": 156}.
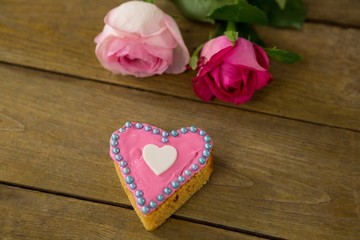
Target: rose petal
{"x": 116, "y": 46}
{"x": 238, "y": 93}
{"x": 120, "y": 57}
{"x": 215, "y": 60}
{"x": 107, "y": 31}
{"x": 263, "y": 79}
{"x": 231, "y": 76}
{"x": 141, "y": 63}
{"x": 163, "y": 53}
{"x": 214, "y": 46}
{"x": 141, "y": 18}
{"x": 201, "y": 88}
{"x": 246, "y": 95}
{"x": 181, "y": 54}
{"x": 261, "y": 57}
{"x": 164, "y": 40}
{"x": 245, "y": 74}
{"x": 155, "y": 69}
{"x": 215, "y": 86}
{"x": 109, "y": 61}
{"x": 140, "y": 68}
{"x": 244, "y": 54}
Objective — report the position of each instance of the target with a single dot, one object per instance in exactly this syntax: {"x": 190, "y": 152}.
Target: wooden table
{"x": 287, "y": 164}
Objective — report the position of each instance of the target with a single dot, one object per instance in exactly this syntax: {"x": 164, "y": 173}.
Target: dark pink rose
{"x": 232, "y": 73}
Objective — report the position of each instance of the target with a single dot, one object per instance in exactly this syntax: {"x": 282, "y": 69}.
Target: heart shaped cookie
{"x": 160, "y": 170}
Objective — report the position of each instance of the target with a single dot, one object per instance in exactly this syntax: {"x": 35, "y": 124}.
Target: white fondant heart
{"x": 159, "y": 159}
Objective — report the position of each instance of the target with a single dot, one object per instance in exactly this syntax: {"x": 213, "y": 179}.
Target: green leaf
{"x": 231, "y": 35}
{"x": 241, "y": 11}
{"x": 293, "y": 15}
{"x": 281, "y": 3}
{"x": 282, "y": 56}
{"x": 195, "y": 57}
{"x": 199, "y": 10}
{"x": 150, "y": 1}
{"x": 193, "y": 62}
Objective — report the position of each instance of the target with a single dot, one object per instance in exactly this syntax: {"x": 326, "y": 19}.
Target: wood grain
{"x": 344, "y": 12}
{"x": 45, "y": 216}
{"x": 324, "y": 88}
{"x": 273, "y": 176}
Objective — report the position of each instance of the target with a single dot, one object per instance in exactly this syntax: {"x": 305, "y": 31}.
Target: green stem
{"x": 231, "y": 32}
{"x": 230, "y": 26}
{"x": 197, "y": 50}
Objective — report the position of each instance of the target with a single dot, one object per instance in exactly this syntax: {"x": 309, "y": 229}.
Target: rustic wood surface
{"x": 66, "y": 125}
{"x": 286, "y": 163}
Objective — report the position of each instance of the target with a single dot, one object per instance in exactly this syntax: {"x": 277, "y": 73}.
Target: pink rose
{"x": 231, "y": 73}
{"x": 140, "y": 39}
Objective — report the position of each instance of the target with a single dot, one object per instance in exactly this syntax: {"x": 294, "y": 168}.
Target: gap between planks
{"x": 332, "y": 23}
{"x": 98, "y": 201}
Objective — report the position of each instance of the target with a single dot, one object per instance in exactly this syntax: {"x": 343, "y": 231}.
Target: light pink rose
{"x": 232, "y": 73}
{"x": 140, "y": 39}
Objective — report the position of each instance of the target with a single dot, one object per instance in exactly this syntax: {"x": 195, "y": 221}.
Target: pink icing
{"x": 189, "y": 146}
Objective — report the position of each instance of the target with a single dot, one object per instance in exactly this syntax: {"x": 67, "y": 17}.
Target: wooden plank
{"x": 324, "y": 88}
{"x": 28, "y": 214}
{"x": 275, "y": 176}
{"x": 345, "y": 12}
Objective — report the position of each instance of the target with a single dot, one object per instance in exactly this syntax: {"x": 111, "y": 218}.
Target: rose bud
{"x": 232, "y": 72}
